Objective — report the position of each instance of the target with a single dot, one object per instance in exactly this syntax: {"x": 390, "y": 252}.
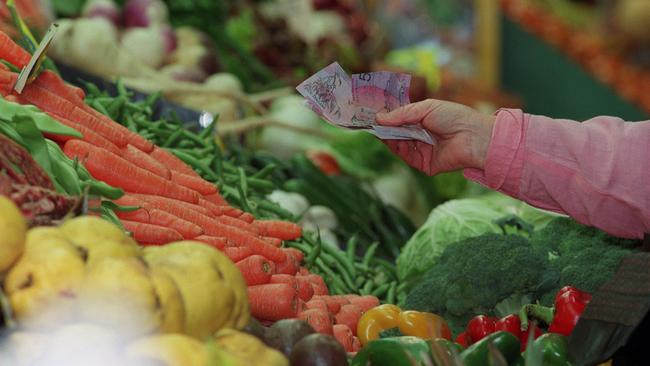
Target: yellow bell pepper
{"x": 410, "y": 323}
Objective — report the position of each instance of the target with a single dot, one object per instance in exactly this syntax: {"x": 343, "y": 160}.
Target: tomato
{"x": 325, "y": 162}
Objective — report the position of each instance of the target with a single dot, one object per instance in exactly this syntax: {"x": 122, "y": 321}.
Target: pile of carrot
{"x": 175, "y": 203}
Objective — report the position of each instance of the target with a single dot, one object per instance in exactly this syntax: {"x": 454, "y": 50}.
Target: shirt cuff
{"x": 504, "y": 161}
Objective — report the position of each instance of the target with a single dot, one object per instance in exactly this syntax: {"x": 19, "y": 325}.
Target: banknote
{"x": 353, "y": 102}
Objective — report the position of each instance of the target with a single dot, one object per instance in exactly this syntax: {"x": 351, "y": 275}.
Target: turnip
{"x": 295, "y": 203}
{"x": 183, "y": 73}
{"x": 195, "y": 56}
{"x": 145, "y": 45}
{"x": 224, "y": 81}
{"x": 144, "y": 13}
{"x": 91, "y": 44}
{"x": 103, "y": 9}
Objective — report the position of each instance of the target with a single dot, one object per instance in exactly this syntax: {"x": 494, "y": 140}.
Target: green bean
{"x": 370, "y": 254}
{"x": 338, "y": 255}
{"x": 152, "y": 98}
{"x": 390, "y": 298}
{"x": 314, "y": 254}
{"x": 367, "y": 287}
{"x": 114, "y": 107}
{"x": 195, "y": 163}
{"x": 264, "y": 172}
{"x": 351, "y": 250}
{"x": 335, "y": 279}
{"x": 194, "y": 138}
{"x": 381, "y": 290}
{"x": 332, "y": 261}
{"x": 207, "y": 131}
{"x": 172, "y": 138}
{"x": 274, "y": 208}
{"x": 100, "y": 108}
{"x": 99, "y": 188}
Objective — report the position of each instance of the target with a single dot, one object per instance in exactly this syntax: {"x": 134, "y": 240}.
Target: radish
{"x": 144, "y": 13}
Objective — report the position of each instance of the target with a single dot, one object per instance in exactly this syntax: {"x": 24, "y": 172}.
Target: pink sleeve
{"x": 597, "y": 172}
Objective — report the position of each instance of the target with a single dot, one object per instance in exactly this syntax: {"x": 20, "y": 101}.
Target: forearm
{"x": 597, "y": 171}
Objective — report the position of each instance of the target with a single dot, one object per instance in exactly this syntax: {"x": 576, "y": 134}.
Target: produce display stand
{"x": 135, "y": 233}
{"x": 564, "y": 72}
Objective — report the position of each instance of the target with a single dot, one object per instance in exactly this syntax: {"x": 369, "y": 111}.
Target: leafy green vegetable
{"x": 476, "y": 274}
{"x": 361, "y": 155}
{"x": 581, "y": 256}
{"x": 456, "y": 220}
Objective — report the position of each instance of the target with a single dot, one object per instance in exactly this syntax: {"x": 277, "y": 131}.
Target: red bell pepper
{"x": 512, "y": 324}
{"x": 563, "y": 317}
{"x": 479, "y": 327}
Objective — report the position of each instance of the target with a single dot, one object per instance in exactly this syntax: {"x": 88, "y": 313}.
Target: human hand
{"x": 462, "y": 133}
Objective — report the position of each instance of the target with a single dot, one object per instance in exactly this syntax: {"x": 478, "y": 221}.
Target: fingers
{"x": 408, "y": 114}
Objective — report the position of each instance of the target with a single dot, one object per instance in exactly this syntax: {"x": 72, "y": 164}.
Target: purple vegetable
{"x": 102, "y": 9}
{"x": 169, "y": 38}
{"x": 143, "y": 13}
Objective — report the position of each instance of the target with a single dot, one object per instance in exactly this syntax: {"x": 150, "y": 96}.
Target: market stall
{"x": 167, "y": 197}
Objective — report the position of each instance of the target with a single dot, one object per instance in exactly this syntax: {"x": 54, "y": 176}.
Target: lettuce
{"x": 457, "y": 220}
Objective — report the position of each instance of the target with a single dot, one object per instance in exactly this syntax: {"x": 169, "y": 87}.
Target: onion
{"x": 102, "y": 9}
{"x": 143, "y": 13}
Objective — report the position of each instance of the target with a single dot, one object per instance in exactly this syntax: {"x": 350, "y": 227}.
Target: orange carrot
{"x": 231, "y": 221}
{"x": 317, "y": 304}
{"x": 59, "y": 107}
{"x": 219, "y": 243}
{"x": 131, "y": 137}
{"x": 171, "y": 161}
{"x": 356, "y": 344}
{"x": 220, "y": 210}
{"x": 144, "y": 161}
{"x": 288, "y": 279}
{"x": 318, "y": 284}
{"x": 216, "y": 198}
{"x": 7, "y": 82}
{"x": 53, "y": 82}
{"x": 302, "y": 271}
{"x": 298, "y": 256}
{"x": 158, "y": 217}
{"x": 151, "y": 234}
{"x": 366, "y": 302}
{"x": 273, "y": 301}
{"x": 249, "y": 218}
{"x": 192, "y": 182}
{"x": 256, "y": 270}
{"x": 237, "y": 253}
{"x": 89, "y": 135}
{"x": 320, "y": 320}
{"x": 273, "y": 241}
{"x": 332, "y": 305}
{"x": 344, "y": 335}
{"x": 13, "y": 53}
{"x": 305, "y": 291}
{"x": 284, "y": 230}
{"x": 349, "y": 315}
{"x": 288, "y": 265}
{"x": 114, "y": 170}
{"x": 173, "y": 206}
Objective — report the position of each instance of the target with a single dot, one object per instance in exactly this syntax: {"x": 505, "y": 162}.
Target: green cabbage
{"x": 457, "y": 220}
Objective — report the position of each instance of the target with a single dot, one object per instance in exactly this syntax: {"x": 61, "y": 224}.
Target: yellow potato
{"x": 12, "y": 233}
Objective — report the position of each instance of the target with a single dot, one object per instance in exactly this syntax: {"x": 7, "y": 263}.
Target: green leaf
{"x": 34, "y": 142}
{"x": 44, "y": 122}
{"x": 115, "y": 207}
{"x": 68, "y": 8}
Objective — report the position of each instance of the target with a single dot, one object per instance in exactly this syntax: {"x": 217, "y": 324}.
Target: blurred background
{"x": 241, "y": 60}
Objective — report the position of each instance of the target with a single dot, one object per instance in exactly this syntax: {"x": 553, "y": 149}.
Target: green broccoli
{"x": 474, "y": 275}
{"x": 580, "y": 256}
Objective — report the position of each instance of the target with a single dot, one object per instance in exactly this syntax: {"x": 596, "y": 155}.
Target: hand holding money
{"x": 463, "y": 136}
{"x": 353, "y": 102}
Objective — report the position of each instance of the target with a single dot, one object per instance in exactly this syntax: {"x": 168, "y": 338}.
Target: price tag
{"x": 29, "y": 72}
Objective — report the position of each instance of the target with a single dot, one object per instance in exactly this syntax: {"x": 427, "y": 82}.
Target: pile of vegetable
{"x": 166, "y": 201}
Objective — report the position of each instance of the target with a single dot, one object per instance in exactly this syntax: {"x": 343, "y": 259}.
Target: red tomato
{"x": 325, "y": 162}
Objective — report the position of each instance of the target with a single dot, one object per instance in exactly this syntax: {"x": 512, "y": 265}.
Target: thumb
{"x": 408, "y": 114}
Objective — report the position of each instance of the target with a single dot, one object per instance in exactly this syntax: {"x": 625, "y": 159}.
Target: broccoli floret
{"x": 581, "y": 256}
{"x": 473, "y": 275}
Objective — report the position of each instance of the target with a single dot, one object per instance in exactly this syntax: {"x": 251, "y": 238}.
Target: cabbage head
{"x": 457, "y": 220}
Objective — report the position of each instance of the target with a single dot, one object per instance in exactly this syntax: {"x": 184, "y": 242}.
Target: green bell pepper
{"x": 554, "y": 349}
{"x": 395, "y": 351}
{"x": 478, "y": 354}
